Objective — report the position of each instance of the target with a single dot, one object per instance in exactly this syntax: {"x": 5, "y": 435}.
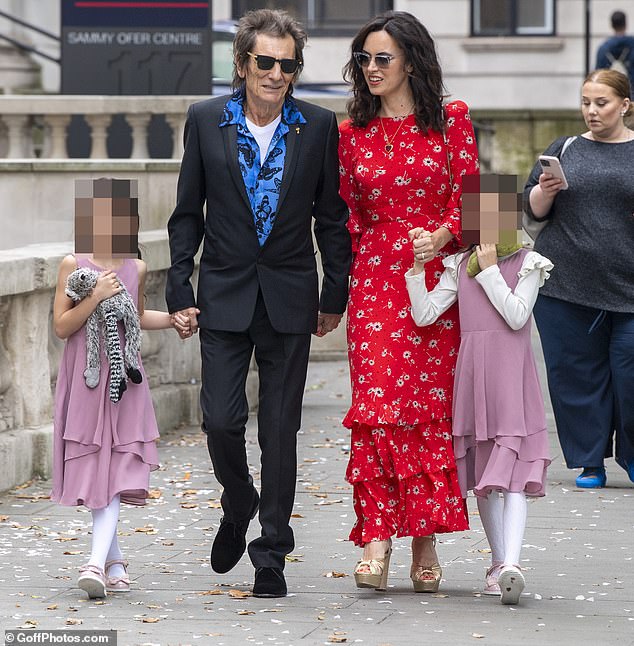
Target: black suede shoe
{"x": 230, "y": 541}
{"x": 269, "y": 582}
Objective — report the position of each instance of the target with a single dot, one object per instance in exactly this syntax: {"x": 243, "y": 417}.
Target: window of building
{"x": 512, "y": 17}
{"x": 321, "y": 15}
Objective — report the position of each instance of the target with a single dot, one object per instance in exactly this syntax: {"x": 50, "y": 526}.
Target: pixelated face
{"x": 107, "y": 217}
{"x": 491, "y": 209}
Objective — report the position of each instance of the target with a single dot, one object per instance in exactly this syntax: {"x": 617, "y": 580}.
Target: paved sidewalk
{"x": 577, "y": 556}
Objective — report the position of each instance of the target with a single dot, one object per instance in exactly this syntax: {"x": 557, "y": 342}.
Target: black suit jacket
{"x": 233, "y": 265}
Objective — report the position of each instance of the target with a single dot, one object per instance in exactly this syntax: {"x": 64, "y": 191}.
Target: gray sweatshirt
{"x": 590, "y": 234}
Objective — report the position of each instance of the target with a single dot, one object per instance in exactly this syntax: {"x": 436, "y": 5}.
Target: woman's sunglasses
{"x": 265, "y": 63}
{"x": 382, "y": 60}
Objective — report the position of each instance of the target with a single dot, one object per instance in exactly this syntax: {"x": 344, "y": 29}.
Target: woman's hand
{"x": 107, "y": 285}
{"x": 550, "y": 185}
{"x": 543, "y": 195}
{"x": 487, "y": 255}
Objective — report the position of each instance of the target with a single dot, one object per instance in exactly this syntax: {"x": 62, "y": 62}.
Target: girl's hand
{"x": 422, "y": 245}
{"x": 107, "y": 285}
{"x": 420, "y": 248}
{"x": 550, "y": 185}
{"x": 428, "y": 243}
{"x": 487, "y": 255}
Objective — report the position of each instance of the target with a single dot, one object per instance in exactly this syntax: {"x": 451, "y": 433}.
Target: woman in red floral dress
{"x": 399, "y": 172}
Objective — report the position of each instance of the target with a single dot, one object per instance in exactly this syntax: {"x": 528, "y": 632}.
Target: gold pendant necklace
{"x": 389, "y": 146}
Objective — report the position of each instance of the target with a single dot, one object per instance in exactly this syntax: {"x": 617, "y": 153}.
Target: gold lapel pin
{"x": 297, "y": 130}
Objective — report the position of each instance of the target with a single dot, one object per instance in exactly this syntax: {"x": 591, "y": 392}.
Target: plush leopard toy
{"x": 119, "y": 307}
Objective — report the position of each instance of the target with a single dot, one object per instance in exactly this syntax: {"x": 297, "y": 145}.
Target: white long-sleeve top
{"x": 515, "y": 307}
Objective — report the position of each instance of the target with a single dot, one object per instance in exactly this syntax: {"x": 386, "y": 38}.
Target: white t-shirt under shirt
{"x": 263, "y": 135}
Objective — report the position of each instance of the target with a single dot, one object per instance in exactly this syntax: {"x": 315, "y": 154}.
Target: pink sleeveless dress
{"x": 499, "y": 425}
{"x": 101, "y": 449}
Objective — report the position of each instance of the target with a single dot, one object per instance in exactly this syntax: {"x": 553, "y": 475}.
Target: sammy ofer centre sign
{"x": 136, "y": 47}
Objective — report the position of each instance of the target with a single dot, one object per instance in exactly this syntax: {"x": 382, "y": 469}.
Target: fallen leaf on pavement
{"x": 29, "y": 623}
{"x": 239, "y": 594}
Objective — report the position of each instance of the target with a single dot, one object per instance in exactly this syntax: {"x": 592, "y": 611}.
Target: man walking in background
{"x": 617, "y": 52}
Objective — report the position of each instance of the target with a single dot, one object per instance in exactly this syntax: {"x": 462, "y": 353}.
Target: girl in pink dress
{"x": 499, "y": 425}
{"x": 103, "y": 451}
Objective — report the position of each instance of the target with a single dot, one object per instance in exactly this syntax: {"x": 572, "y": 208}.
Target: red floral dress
{"x": 402, "y": 465}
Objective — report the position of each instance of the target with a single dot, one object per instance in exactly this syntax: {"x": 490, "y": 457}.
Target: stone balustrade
{"x": 36, "y": 126}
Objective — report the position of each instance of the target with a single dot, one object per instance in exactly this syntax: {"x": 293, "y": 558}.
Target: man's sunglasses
{"x": 382, "y": 60}
{"x": 265, "y": 63}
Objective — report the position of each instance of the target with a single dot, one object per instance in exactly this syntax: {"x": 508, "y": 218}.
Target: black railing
{"x": 23, "y": 46}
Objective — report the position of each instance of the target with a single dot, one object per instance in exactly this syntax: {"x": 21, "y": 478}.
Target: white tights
{"x": 105, "y": 546}
{"x": 504, "y": 520}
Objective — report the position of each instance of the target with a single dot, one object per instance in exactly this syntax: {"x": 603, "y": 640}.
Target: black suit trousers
{"x": 282, "y": 361}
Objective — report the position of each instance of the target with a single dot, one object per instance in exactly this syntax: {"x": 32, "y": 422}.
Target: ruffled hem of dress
{"x": 418, "y": 448}
{"x": 457, "y": 522}
{"x": 133, "y": 497}
{"x": 128, "y": 473}
{"x": 384, "y": 414}
{"x": 145, "y": 431}
{"x": 513, "y": 464}
{"x": 146, "y": 451}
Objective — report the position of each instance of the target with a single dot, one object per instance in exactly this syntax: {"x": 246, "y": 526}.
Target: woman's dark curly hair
{"x": 425, "y": 79}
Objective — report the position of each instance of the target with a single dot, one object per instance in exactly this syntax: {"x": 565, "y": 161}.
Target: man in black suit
{"x": 266, "y": 166}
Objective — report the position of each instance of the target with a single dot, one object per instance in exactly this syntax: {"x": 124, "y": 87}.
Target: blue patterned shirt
{"x": 262, "y": 182}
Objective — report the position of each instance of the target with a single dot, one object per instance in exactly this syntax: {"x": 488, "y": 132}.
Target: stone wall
{"x": 37, "y": 197}
{"x": 509, "y": 141}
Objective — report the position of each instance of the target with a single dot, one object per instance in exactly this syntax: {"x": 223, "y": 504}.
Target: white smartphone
{"x": 553, "y": 166}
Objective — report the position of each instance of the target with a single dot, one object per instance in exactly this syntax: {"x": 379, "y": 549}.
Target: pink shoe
{"x": 492, "y": 587}
{"x": 92, "y": 581}
{"x": 117, "y": 583}
{"x": 512, "y": 583}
